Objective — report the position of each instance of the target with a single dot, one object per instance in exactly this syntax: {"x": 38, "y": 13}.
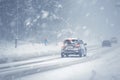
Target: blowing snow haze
{"x": 58, "y": 19}
{"x": 59, "y": 39}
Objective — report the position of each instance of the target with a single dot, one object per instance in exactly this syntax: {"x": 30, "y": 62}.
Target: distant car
{"x": 73, "y": 46}
{"x": 106, "y": 43}
{"x": 114, "y": 40}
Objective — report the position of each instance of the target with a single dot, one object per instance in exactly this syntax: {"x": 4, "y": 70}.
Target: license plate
{"x": 69, "y": 47}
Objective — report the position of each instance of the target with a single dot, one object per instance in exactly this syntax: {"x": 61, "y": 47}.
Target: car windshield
{"x": 67, "y": 42}
{"x": 73, "y": 41}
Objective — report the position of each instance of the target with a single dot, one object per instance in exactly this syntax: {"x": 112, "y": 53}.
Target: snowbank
{"x": 9, "y": 53}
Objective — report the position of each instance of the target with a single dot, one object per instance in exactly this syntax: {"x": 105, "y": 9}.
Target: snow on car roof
{"x": 70, "y": 38}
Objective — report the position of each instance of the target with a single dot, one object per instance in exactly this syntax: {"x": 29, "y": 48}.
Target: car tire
{"x": 85, "y": 52}
{"x": 80, "y": 53}
{"x": 84, "y": 55}
{"x": 62, "y": 55}
{"x": 67, "y": 55}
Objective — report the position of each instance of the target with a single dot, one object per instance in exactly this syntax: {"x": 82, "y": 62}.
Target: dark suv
{"x": 114, "y": 40}
{"x": 106, "y": 43}
{"x": 73, "y": 46}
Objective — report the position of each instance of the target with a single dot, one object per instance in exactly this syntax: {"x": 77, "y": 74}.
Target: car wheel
{"x": 80, "y": 54}
{"x": 85, "y": 52}
{"x": 84, "y": 55}
{"x": 62, "y": 55}
{"x": 67, "y": 55}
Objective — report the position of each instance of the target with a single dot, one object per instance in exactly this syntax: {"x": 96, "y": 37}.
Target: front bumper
{"x": 70, "y": 51}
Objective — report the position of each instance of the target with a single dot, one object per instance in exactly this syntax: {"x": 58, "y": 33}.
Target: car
{"x": 114, "y": 40}
{"x": 106, "y": 43}
{"x": 73, "y": 46}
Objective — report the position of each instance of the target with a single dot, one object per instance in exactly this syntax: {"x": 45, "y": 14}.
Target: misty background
{"x": 34, "y": 20}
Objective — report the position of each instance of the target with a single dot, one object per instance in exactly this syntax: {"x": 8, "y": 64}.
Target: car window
{"x": 67, "y": 42}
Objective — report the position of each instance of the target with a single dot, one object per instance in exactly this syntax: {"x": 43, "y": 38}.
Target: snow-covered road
{"x": 53, "y": 64}
{"x": 103, "y": 65}
{"x": 35, "y": 64}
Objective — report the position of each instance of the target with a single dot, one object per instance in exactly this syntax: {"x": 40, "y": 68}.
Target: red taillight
{"x": 63, "y": 46}
{"x": 77, "y": 45}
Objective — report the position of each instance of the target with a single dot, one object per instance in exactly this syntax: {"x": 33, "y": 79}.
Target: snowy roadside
{"x": 8, "y": 53}
{"x": 27, "y": 50}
